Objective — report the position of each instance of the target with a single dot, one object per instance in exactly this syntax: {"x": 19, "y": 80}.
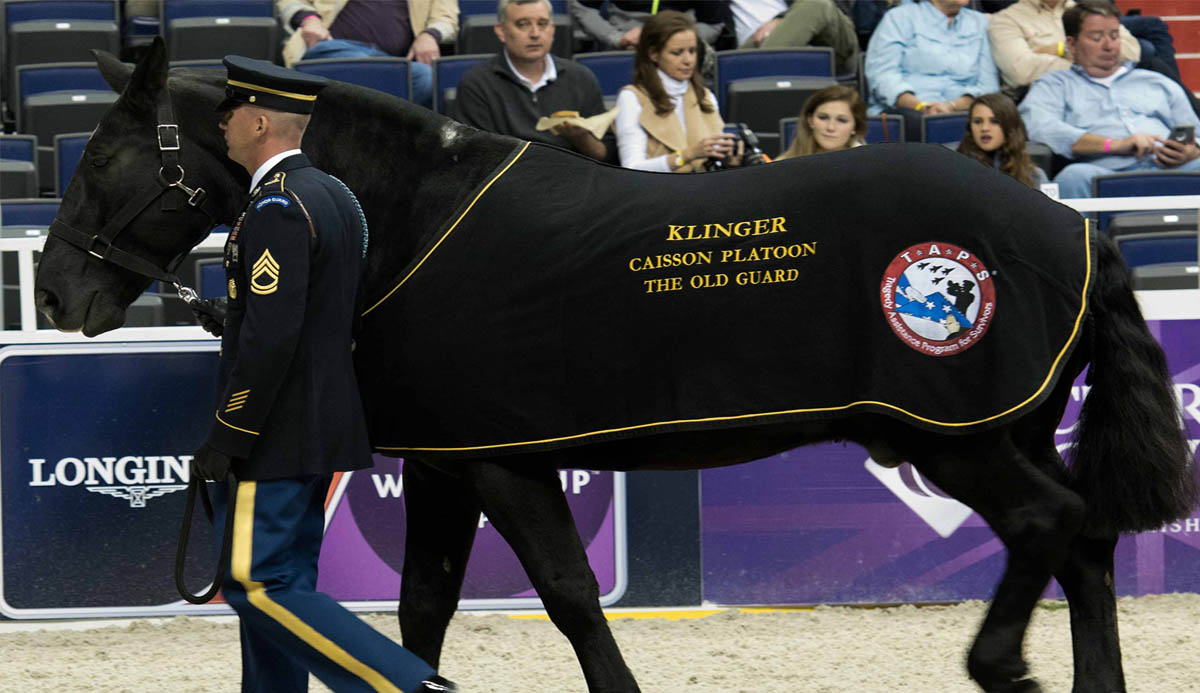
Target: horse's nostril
{"x": 45, "y": 300}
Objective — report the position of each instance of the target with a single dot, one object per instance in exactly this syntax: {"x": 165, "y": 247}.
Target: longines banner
{"x": 825, "y": 524}
{"x": 95, "y": 442}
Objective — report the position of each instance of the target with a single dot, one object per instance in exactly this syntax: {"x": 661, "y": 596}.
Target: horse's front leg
{"x": 526, "y": 504}
{"x": 442, "y": 514}
{"x": 1087, "y": 579}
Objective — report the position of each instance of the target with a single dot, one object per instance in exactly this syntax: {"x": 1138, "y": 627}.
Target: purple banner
{"x": 825, "y": 524}
{"x": 363, "y": 552}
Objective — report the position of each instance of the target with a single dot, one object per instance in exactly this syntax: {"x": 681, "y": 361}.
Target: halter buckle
{"x": 172, "y": 137}
{"x": 92, "y": 244}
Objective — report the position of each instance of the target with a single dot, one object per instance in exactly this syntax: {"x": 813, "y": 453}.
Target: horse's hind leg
{"x": 1036, "y": 518}
{"x": 442, "y": 514}
{"x": 1087, "y": 579}
{"x": 525, "y": 502}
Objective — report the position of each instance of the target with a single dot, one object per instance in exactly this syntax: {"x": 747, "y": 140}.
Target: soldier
{"x": 288, "y": 413}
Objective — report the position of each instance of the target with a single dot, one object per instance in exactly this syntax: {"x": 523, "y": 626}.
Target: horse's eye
{"x": 99, "y": 161}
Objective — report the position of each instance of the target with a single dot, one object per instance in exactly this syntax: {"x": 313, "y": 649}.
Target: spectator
{"x": 1104, "y": 113}
{"x": 832, "y": 119}
{"x": 1028, "y": 41}
{"x": 996, "y": 137}
{"x": 667, "y": 119}
{"x": 623, "y": 27}
{"x": 929, "y": 57}
{"x": 805, "y": 23}
{"x": 523, "y": 82}
{"x": 369, "y": 28}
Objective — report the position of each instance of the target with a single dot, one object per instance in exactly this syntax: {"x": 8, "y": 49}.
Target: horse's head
{"x": 152, "y": 182}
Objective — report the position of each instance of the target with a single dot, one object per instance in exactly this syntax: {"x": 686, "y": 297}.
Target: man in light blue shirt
{"x": 1105, "y": 114}
{"x": 929, "y": 57}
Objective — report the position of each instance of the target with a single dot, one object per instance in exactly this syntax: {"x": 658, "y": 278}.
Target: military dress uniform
{"x": 288, "y": 413}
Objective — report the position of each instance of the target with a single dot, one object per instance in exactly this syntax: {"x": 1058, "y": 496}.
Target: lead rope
{"x": 196, "y": 483}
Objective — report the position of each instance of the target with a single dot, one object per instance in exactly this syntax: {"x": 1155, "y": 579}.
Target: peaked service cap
{"x": 268, "y": 85}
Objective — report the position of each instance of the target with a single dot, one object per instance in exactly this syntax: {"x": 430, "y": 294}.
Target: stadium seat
{"x": 210, "y": 276}
{"x": 1143, "y": 184}
{"x": 57, "y": 98}
{"x": 784, "y": 62}
{"x": 1158, "y": 248}
{"x": 446, "y": 74}
{"x": 613, "y": 69}
{"x": 1171, "y": 275}
{"x": 28, "y": 212}
{"x": 202, "y": 64}
{"x": 476, "y": 32}
{"x": 199, "y": 29}
{"x": 18, "y": 166}
{"x": 944, "y": 128}
{"x": 68, "y": 150}
{"x": 53, "y": 31}
{"x": 885, "y": 128}
{"x": 389, "y": 75}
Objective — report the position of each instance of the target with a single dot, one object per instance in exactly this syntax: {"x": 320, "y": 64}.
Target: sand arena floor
{"x": 825, "y": 650}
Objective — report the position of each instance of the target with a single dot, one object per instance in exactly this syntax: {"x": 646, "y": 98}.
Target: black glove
{"x": 210, "y": 314}
{"x": 210, "y": 464}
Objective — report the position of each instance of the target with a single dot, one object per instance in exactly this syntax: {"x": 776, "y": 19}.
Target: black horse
{"x": 415, "y": 173}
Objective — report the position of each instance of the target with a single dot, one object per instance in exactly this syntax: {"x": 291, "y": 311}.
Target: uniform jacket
{"x": 287, "y": 400}
{"x": 441, "y": 15}
{"x": 1024, "y": 26}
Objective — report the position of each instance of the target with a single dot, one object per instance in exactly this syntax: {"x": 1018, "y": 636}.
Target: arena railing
{"x": 1159, "y": 304}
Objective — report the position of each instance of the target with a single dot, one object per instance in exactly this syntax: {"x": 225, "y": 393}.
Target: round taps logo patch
{"x": 938, "y": 298}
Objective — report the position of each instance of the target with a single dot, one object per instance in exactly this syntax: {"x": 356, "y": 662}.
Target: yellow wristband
{"x": 921, "y": 105}
{"x": 679, "y": 161}
{"x": 1061, "y": 50}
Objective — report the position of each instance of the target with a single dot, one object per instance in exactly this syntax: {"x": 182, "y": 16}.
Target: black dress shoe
{"x": 436, "y": 684}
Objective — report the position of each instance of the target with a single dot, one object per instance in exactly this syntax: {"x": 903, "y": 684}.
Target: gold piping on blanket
{"x": 1087, "y": 281}
{"x": 449, "y": 230}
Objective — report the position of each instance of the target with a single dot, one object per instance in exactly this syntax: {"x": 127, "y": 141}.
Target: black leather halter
{"x": 100, "y": 244}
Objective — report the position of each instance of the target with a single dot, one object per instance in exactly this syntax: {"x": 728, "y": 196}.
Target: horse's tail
{"x": 1132, "y": 463}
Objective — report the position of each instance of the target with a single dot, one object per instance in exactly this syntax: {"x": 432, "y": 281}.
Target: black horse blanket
{"x": 570, "y": 302}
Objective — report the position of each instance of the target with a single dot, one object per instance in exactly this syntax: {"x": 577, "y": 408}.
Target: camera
{"x": 752, "y": 154}
{"x": 1183, "y": 134}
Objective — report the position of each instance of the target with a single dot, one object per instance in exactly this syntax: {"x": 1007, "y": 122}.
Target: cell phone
{"x": 1183, "y": 134}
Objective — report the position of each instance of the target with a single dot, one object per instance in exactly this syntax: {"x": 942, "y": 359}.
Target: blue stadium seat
{"x": 210, "y": 274}
{"x": 60, "y": 97}
{"x": 885, "y": 128}
{"x": 202, "y": 64}
{"x": 389, "y": 75}
{"x": 68, "y": 150}
{"x": 36, "y": 10}
{"x": 18, "y": 148}
{"x": 1158, "y": 248}
{"x": 446, "y": 74}
{"x": 18, "y": 166}
{"x": 783, "y": 62}
{"x": 613, "y": 69}
{"x": 943, "y": 128}
{"x": 37, "y": 211}
{"x": 51, "y": 31}
{"x": 1143, "y": 184}
{"x": 200, "y": 29}
{"x": 876, "y": 131}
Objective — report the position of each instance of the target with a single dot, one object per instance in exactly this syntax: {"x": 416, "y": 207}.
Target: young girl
{"x": 831, "y": 119}
{"x": 996, "y": 137}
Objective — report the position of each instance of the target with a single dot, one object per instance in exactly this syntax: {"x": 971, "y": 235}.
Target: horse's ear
{"x": 150, "y": 74}
{"x": 115, "y": 72}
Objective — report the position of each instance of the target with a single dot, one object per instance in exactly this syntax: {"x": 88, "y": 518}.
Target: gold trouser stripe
{"x": 449, "y": 230}
{"x": 1083, "y": 307}
{"x": 240, "y": 562}
{"x": 268, "y": 90}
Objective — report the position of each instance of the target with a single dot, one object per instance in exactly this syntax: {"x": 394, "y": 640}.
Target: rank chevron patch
{"x": 265, "y": 266}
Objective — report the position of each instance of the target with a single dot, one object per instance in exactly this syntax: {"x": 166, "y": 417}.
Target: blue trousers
{"x": 1075, "y": 180}
{"x": 422, "y": 74}
{"x": 288, "y": 629}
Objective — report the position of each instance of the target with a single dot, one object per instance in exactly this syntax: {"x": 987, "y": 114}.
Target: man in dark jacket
{"x": 288, "y": 410}
{"x": 508, "y": 94}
